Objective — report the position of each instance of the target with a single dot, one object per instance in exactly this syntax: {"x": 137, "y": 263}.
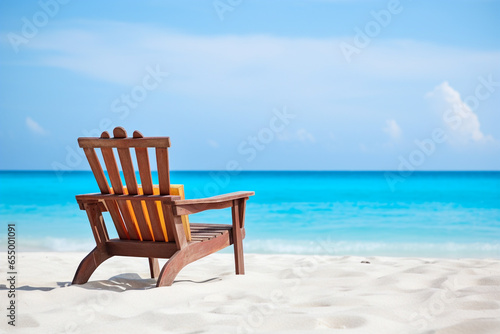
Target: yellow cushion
{"x": 176, "y": 190}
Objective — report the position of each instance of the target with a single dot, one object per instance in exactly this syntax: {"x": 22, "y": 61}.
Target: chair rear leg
{"x": 89, "y": 264}
{"x": 154, "y": 267}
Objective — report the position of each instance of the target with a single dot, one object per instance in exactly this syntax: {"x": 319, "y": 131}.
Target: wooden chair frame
{"x": 145, "y": 237}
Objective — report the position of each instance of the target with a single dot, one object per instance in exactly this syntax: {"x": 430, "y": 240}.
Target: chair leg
{"x": 154, "y": 267}
{"x": 173, "y": 266}
{"x": 89, "y": 264}
{"x": 239, "y": 262}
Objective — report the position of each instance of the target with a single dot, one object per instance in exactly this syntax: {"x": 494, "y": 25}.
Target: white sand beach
{"x": 279, "y": 293}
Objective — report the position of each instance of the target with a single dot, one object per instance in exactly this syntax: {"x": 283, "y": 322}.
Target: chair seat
{"x": 205, "y": 232}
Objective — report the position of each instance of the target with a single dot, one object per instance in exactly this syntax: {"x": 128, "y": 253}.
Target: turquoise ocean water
{"x": 428, "y": 214}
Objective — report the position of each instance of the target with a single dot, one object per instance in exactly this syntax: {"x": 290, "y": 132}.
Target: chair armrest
{"x": 216, "y": 199}
{"x": 181, "y": 207}
{"x": 97, "y": 197}
{"x": 190, "y": 206}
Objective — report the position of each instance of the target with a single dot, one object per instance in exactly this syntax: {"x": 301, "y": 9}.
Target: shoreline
{"x": 438, "y": 250}
{"x": 279, "y": 293}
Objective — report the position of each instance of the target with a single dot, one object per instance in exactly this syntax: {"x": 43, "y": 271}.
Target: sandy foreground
{"x": 279, "y": 293}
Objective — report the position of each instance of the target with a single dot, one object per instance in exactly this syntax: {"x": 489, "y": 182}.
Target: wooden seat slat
{"x": 202, "y": 225}
{"x": 208, "y": 229}
{"x": 209, "y": 234}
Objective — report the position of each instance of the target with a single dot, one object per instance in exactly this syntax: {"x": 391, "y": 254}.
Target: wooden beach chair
{"x": 148, "y": 218}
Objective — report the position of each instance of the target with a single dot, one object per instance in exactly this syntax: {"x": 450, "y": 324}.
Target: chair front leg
{"x": 89, "y": 264}
{"x": 99, "y": 254}
{"x": 97, "y": 224}
{"x": 238, "y": 213}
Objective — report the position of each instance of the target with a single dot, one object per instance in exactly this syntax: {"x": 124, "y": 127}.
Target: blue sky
{"x": 268, "y": 85}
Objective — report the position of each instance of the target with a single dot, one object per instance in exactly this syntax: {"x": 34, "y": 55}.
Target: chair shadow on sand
{"x": 118, "y": 283}
{"x": 131, "y": 281}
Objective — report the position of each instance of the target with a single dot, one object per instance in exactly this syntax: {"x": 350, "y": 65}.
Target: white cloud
{"x": 305, "y": 136}
{"x": 213, "y": 143}
{"x": 363, "y": 147}
{"x": 392, "y": 129}
{"x": 35, "y": 127}
{"x": 301, "y": 135}
{"x": 457, "y": 117}
{"x": 233, "y": 66}
{"x": 284, "y": 136}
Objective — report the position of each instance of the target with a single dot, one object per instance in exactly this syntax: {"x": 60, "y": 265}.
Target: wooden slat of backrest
{"x": 114, "y": 212}
{"x": 130, "y": 180}
{"x": 147, "y": 188}
{"x": 119, "y": 142}
{"x": 144, "y": 168}
{"x": 95, "y": 165}
{"x": 113, "y": 172}
{"x": 116, "y": 182}
{"x": 163, "y": 172}
{"x": 164, "y": 188}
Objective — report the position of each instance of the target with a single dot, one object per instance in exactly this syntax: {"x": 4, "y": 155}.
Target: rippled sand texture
{"x": 279, "y": 293}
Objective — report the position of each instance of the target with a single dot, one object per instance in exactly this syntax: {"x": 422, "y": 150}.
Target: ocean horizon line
{"x": 274, "y": 171}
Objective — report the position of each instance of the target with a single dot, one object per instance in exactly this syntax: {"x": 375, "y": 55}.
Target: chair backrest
{"x": 134, "y": 220}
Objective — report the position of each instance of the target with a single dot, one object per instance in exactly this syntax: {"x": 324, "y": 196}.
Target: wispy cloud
{"x": 212, "y": 143}
{"x": 305, "y": 136}
{"x": 457, "y": 117}
{"x": 235, "y": 66}
{"x": 299, "y": 135}
{"x": 392, "y": 129}
{"x": 34, "y": 127}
